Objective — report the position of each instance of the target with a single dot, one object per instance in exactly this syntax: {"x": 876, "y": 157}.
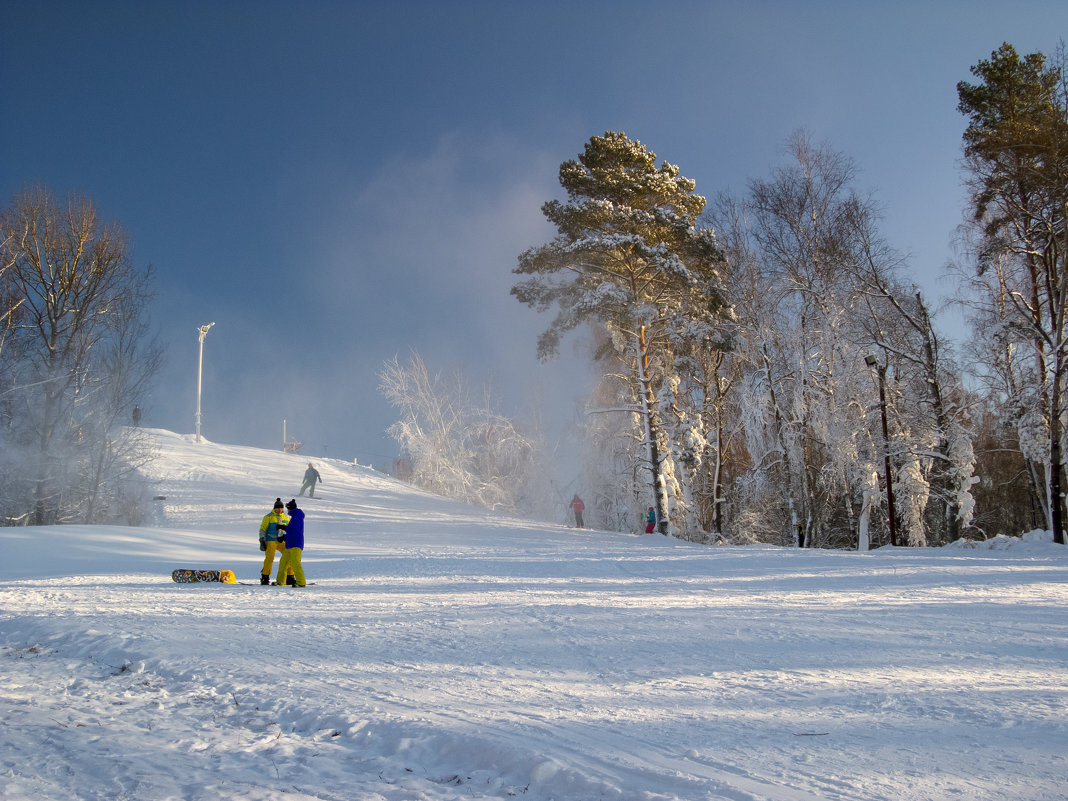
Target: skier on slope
{"x": 311, "y": 475}
{"x": 577, "y": 506}
{"x": 272, "y": 538}
{"x": 290, "y": 561}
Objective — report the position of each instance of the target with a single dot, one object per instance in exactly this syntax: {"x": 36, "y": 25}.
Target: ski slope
{"x": 450, "y": 653}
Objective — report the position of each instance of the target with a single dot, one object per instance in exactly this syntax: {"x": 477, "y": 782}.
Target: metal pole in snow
{"x": 200, "y": 371}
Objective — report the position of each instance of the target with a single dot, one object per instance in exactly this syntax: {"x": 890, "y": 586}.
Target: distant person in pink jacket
{"x": 577, "y": 506}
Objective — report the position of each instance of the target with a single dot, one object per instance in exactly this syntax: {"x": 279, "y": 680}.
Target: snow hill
{"x": 450, "y": 653}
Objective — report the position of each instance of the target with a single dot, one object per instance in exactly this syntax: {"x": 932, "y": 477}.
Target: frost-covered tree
{"x": 1011, "y": 417}
{"x": 629, "y": 256}
{"x": 10, "y": 301}
{"x": 705, "y": 426}
{"x": 804, "y": 386}
{"x": 1005, "y": 498}
{"x": 459, "y": 447}
{"x": 934, "y": 442}
{"x": 817, "y": 293}
{"x": 77, "y": 354}
{"x": 612, "y": 466}
{"x": 1016, "y": 151}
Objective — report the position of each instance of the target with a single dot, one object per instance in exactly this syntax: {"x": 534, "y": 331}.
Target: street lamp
{"x": 200, "y": 371}
{"x": 871, "y": 361}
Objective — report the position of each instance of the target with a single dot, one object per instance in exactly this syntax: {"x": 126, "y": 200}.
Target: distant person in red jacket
{"x": 577, "y": 506}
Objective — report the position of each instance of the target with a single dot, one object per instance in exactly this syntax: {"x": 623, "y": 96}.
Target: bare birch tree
{"x": 78, "y": 350}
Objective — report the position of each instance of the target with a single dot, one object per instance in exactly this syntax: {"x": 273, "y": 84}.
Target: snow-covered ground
{"x": 449, "y": 653}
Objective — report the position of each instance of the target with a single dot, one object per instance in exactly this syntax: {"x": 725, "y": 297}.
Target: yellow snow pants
{"x": 290, "y": 564}
{"x": 268, "y": 558}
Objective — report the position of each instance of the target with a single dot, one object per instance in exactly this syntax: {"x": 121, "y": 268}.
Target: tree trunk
{"x": 652, "y": 451}
{"x": 717, "y": 478}
{"x": 780, "y": 425}
{"x": 941, "y": 482}
{"x": 863, "y": 537}
{"x": 1056, "y": 499}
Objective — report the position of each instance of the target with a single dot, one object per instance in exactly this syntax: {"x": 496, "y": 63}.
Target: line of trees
{"x": 75, "y": 353}
{"x": 781, "y": 380}
{"x": 768, "y": 372}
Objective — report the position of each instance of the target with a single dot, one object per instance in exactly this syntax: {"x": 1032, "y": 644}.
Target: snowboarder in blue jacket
{"x": 290, "y": 561}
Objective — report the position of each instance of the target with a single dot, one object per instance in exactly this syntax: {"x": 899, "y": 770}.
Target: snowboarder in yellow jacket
{"x": 272, "y": 538}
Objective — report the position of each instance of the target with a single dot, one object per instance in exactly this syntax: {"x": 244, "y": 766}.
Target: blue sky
{"x": 336, "y": 183}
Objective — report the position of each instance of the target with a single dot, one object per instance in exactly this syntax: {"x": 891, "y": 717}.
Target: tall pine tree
{"x": 630, "y": 256}
{"x": 1016, "y": 146}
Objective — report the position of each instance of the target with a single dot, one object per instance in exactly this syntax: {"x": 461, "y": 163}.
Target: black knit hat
{"x": 278, "y": 503}
{"x": 291, "y": 505}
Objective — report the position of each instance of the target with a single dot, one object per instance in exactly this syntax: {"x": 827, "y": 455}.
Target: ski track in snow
{"x": 450, "y": 653}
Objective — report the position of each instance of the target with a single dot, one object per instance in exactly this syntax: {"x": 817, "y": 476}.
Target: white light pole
{"x": 200, "y": 371}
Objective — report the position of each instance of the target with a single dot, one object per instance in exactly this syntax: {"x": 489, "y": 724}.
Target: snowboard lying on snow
{"x": 185, "y": 576}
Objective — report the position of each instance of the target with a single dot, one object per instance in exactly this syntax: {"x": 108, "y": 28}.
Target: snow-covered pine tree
{"x": 1016, "y": 151}
{"x": 629, "y": 256}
